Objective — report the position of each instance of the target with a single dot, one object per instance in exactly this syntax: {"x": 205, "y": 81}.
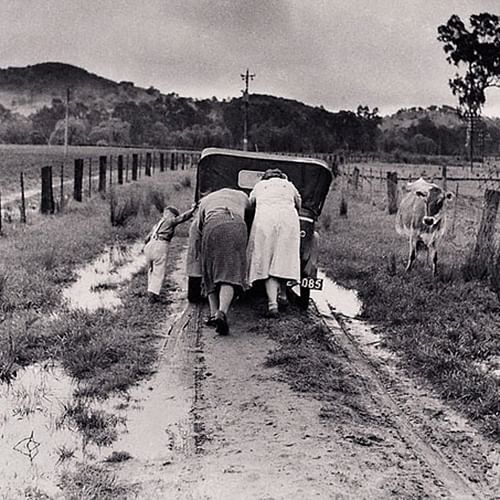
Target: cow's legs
{"x": 433, "y": 258}
{"x": 412, "y": 254}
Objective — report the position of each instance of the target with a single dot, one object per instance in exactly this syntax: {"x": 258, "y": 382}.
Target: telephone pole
{"x": 246, "y": 78}
{"x": 66, "y": 125}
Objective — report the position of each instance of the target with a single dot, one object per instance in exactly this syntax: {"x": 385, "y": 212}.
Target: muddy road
{"x": 309, "y": 405}
{"x": 228, "y": 417}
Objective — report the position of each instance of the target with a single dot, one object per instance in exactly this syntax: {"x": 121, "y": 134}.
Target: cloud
{"x": 335, "y": 53}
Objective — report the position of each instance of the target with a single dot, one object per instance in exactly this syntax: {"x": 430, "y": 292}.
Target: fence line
{"x": 49, "y": 204}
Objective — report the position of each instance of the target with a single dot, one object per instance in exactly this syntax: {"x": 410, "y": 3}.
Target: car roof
{"x": 264, "y": 156}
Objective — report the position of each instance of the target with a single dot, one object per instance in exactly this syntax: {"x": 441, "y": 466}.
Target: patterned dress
{"x": 224, "y": 234}
{"x": 274, "y": 244}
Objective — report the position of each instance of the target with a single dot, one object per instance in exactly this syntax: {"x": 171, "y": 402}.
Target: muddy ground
{"x": 235, "y": 421}
{"x": 309, "y": 405}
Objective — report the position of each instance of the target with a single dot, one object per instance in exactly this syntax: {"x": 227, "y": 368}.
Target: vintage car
{"x": 226, "y": 168}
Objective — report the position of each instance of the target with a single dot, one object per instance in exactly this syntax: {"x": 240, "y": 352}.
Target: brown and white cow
{"x": 422, "y": 218}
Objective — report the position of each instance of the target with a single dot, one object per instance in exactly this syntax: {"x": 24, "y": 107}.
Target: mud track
{"x": 223, "y": 424}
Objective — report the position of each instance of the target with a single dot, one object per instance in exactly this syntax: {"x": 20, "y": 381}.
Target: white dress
{"x": 274, "y": 243}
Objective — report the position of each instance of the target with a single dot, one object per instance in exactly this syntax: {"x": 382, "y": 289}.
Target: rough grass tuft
{"x": 92, "y": 482}
{"x": 118, "y": 457}
{"x": 96, "y": 426}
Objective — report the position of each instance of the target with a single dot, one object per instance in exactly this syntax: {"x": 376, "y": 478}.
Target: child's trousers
{"x": 156, "y": 252}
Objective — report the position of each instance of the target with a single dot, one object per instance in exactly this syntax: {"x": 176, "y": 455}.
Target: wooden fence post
{"x": 444, "y": 176}
{"x": 392, "y": 192}
{"x": 110, "y": 170}
{"x": 120, "y": 169}
{"x": 147, "y": 168}
{"x": 154, "y": 162}
{"x": 135, "y": 166}
{"x": 162, "y": 162}
{"x": 454, "y": 210}
{"x": 78, "y": 180}
{"x": 126, "y": 169}
{"x": 140, "y": 165}
{"x": 23, "y": 200}
{"x": 61, "y": 194}
{"x": 371, "y": 186}
{"x": 355, "y": 177}
{"x": 102, "y": 174}
{"x": 172, "y": 161}
{"x": 484, "y": 248}
{"x": 47, "y": 202}
{"x": 90, "y": 177}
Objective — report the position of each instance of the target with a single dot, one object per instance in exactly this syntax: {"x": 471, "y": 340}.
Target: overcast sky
{"x": 335, "y": 53}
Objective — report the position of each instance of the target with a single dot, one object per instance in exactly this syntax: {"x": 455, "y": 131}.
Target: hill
{"x": 32, "y": 110}
{"x": 26, "y": 90}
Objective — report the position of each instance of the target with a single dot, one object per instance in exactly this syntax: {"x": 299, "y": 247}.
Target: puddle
{"x": 97, "y": 282}
{"x": 345, "y": 302}
{"x": 337, "y": 298}
{"x": 158, "y": 411}
{"x": 32, "y": 438}
{"x": 37, "y": 443}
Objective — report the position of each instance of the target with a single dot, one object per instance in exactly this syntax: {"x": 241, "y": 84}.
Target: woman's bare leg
{"x": 226, "y": 295}
{"x": 272, "y": 287}
{"x": 213, "y": 302}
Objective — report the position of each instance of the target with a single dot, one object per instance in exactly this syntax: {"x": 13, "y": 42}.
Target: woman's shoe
{"x": 283, "y": 302}
{"x": 273, "y": 312}
{"x": 221, "y": 326}
{"x": 210, "y": 321}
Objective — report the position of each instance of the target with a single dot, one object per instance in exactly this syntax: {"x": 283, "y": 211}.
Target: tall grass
{"x": 443, "y": 328}
{"x": 38, "y": 261}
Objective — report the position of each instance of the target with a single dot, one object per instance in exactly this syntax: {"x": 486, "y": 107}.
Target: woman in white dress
{"x": 273, "y": 251}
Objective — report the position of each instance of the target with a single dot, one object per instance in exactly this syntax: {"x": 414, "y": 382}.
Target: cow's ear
{"x": 449, "y": 195}
{"x": 420, "y": 193}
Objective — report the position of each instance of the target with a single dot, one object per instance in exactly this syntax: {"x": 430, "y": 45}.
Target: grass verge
{"x": 38, "y": 261}
{"x": 444, "y": 328}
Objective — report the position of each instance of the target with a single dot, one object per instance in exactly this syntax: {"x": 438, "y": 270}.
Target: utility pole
{"x": 66, "y": 125}
{"x": 246, "y": 78}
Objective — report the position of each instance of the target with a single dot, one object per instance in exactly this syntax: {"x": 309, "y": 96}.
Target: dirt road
{"x": 307, "y": 406}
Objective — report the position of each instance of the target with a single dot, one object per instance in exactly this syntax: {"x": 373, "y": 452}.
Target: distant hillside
{"x": 32, "y": 110}
{"x": 444, "y": 116}
{"x": 26, "y": 90}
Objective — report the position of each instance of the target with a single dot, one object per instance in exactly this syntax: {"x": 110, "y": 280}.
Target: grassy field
{"x": 446, "y": 329}
{"x": 40, "y": 259}
{"x": 29, "y": 159}
{"x": 486, "y": 176}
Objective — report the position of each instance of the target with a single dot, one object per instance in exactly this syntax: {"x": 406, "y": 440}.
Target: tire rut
{"x": 449, "y": 475}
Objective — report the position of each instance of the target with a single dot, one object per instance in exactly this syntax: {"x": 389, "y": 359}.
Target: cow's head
{"x": 435, "y": 199}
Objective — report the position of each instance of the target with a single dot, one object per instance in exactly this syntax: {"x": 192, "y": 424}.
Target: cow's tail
{"x": 398, "y": 225}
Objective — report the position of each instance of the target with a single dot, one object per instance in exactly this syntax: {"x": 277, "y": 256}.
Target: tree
{"x": 77, "y": 132}
{"x": 477, "y": 51}
{"x": 113, "y": 132}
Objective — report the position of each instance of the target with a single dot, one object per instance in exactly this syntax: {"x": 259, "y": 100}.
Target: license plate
{"x": 312, "y": 283}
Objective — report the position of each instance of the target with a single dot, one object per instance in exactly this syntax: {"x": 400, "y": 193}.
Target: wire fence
{"x": 88, "y": 176}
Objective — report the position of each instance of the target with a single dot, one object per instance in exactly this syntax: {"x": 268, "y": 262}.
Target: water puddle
{"x": 97, "y": 282}
{"x": 337, "y": 298}
{"x": 344, "y": 302}
{"x": 34, "y": 442}
{"x": 39, "y": 439}
{"x": 158, "y": 410}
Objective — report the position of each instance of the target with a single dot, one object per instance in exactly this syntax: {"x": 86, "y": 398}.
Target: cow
{"x": 422, "y": 218}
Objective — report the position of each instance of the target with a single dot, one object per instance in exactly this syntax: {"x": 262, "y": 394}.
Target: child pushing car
{"x": 157, "y": 244}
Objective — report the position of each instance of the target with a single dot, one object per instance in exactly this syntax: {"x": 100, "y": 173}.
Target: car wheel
{"x": 194, "y": 289}
{"x": 305, "y": 294}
